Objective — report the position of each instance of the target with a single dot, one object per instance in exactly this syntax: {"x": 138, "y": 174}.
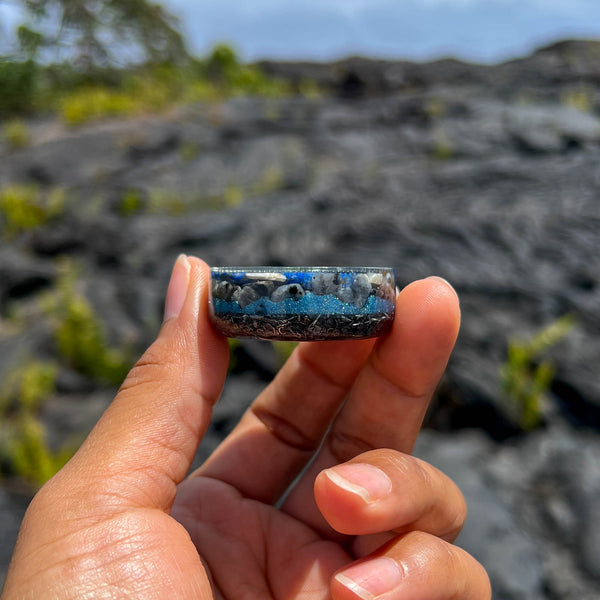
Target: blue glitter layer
{"x": 309, "y": 304}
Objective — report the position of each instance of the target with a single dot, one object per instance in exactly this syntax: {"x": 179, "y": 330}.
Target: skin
{"x": 364, "y": 520}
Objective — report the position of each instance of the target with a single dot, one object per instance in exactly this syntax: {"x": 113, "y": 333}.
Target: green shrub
{"x": 442, "y": 146}
{"x": 232, "y": 78}
{"x": 580, "y": 98}
{"x": 80, "y": 96}
{"x": 526, "y": 377}
{"x": 91, "y": 103}
{"x": 18, "y": 85}
{"x": 28, "y": 386}
{"x": 235, "y": 346}
{"x": 249, "y": 80}
{"x": 131, "y": 203}
{"x": 222, "y": 62}
{"x": 16, "y": 134}
{"x": 27, "y": 452}
{"x": 81, "y": 341}
{"x": 201, "y": 91}
{"x": 23, "y": 447}
{"x": 79, "y": 334}
{"x": 232, "y": 196}
{"x": 25, "y": 207}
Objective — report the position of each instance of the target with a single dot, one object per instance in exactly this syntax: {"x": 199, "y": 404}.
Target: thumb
{"x": 145, "y": 443}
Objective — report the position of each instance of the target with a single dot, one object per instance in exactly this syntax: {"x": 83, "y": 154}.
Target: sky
{"x": 475, "y": 30}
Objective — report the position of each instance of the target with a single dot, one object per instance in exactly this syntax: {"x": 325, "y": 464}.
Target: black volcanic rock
{"x": 545, "y": 73}
{"x": 485, "y": 175}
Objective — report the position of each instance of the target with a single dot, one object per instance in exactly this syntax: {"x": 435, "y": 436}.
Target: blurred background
{"x": 451, "y": 137}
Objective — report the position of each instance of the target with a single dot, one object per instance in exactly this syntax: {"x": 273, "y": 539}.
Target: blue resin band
{"x": 302, "y": 303}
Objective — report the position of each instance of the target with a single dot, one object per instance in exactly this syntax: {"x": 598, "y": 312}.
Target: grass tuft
{"x": 26, "y": 207}
{"x": 526, "y": 376}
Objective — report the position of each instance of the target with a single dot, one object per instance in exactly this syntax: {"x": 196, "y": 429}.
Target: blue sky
{"x": 476, "y": 30}
{"x": 480, "y": 30}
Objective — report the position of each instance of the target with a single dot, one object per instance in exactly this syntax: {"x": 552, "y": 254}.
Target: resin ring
{"x": 302, "y": 303}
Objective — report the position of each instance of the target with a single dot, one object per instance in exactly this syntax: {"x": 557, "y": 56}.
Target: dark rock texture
{"x": 533, "y": 517}
{"x": 487, "y": 176}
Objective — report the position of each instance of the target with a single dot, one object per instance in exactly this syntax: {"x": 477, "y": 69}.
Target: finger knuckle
{"x": 344, "y": 446}
{"x": 285, "y": 431}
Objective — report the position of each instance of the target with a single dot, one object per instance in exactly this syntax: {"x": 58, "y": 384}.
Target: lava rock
{"x": 291, "y": 290}
{"x": 361, "y": 288}
{"x": 247, "y": 295}
{"x": 551, "y": 128}
{"x": 324, "y": 284}
{"x": 12, "y": 510}
{"x": 432, "y": 168}
{"x": 224, "y": 290}
{"x": 22, "y": 275}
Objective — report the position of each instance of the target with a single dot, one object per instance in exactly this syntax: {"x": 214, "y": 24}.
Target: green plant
{"x": 222, "y": 63}
{"x": 170, "y": 202}
{"x": 526, "y": 377}
{"x": 309, "y": 89}
{"x": 442, "y": 146}
{"x": 27, "y": 452}
{"x": 250, "y": 80}
{"x": 92, "y": 103}
{"x": 224, "y": 69}
{"x": 18, "y": 82}
{"x": 271, "y": 180}
{"x": 24, "y": 207}
{"x": 79, "y": 334}
{"x": 189, "y": 150}
{"x": 16, "y": 134}
{"x": 28, "y": 385}
{"x": 435, "y": 108}
{"x": 235, "y": 346}
{"x": 167, "y": 202}
{"x": 98, "y": 33}
{"x": 580, "y": 98}
{"x": 131, "y": 203}
{"x": 232, "y": 196}
{"x": 23, "y": 446}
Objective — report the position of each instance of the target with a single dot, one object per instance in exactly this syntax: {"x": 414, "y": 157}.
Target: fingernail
{"x": 177, "y": 290}
{"x": 370, "y": 579}
{"x": 366, "y": 481}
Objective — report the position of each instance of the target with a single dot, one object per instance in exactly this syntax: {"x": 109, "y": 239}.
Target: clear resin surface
{"x": 302, "y": 303}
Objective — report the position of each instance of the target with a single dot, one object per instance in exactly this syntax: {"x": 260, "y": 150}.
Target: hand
{"x": 364, "y": 520}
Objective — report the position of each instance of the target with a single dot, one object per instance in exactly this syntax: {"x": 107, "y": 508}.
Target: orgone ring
{"x": 302, "y": 303}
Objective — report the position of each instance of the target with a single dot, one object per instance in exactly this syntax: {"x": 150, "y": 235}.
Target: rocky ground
{"x": 487, "y": 176}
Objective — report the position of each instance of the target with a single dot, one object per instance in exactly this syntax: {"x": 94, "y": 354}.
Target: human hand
{"x": 364, "y": 520}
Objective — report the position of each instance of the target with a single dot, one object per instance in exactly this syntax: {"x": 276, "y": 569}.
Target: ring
{"x": 302, "y": 303}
